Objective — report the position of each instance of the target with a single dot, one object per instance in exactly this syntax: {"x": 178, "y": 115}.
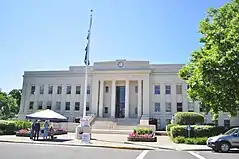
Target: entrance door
{"x": 120, "y": 102}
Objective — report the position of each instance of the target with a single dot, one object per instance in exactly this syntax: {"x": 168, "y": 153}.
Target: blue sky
{"x": 51, "y": 34}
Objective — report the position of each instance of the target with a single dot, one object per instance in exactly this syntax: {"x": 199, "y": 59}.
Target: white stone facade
{"x": 149, "y": 90}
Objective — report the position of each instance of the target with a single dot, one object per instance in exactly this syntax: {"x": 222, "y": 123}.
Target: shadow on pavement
{"x": 55, "y": 140}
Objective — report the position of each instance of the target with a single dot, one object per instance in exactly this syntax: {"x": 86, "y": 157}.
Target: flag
{"x": 87, "y": 60}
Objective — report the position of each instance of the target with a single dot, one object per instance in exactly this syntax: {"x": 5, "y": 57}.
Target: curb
{"x": 83, "y": 145}
{"x": 196, "y": 150}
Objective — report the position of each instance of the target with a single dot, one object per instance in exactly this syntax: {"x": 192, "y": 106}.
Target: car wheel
{"x": 224, "y": 146}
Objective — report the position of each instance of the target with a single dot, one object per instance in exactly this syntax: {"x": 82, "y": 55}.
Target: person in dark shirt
{"x": 33, "y": 130}
{"x": 37, "y": 130}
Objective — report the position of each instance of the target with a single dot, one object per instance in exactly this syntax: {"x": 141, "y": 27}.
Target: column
{"x": 95, "y": 96}
{"x": 139, "y": 98}
{"x": 113, "y": 94}
{"x": 127, "y": 99}
{"x": 101, "y": 98}
{"x": 146, "y": 104}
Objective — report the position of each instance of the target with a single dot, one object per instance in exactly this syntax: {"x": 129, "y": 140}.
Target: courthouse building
{"x": 116, "y": 89}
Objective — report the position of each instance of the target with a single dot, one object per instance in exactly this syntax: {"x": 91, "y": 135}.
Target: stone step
{"x": 107, "y": 131}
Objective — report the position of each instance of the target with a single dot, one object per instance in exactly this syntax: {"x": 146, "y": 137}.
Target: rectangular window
{"x": 188, "y": 87}
{"x": 157, "y": 107}
{"x": 68, "y": 90}
{"x": 39, "y": 104}
{"x": 87, "y": 106}
{"x": 136, "y": 89}
{"x": 78, "y": 89}
{"x": 31, "y": 104}
{"x": 33, "y": 89}
{"x": 88, "y": 89}
{"x": 227, "y": 123}
{"x": 200, "y": 108}
{"x": 58, "y": 105}
{"x": 49, "y": 104}
{"x": 168, "y": 106}
{"x": 157, "y": 89}
{"x": 59, "y": 89}
{"x": 216, "y": 122}
{"x": 68, "y": 106}
{"x": 50, "y": 89}
{"x": 179, "y": 89}
{"x": 167, "y": 89}
{"x": 42, "y": 89}
{"x": 77, "y": 106}
{"x": 106, "y": 110}
{"x": 106, "y": 89}
{"x": 179, "y": 107}
{"x": 190, "y": 106}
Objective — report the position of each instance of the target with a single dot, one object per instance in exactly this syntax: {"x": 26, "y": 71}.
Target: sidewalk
{"x": 109, "y": 141}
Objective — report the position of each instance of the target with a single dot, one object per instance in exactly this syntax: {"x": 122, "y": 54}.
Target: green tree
{"x": 8, "y": 106}
{"x": 213, "y": 71}
{"x": 16, "y": 93}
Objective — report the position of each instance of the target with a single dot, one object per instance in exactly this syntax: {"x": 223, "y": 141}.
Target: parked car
{"x": 224, "y": 142}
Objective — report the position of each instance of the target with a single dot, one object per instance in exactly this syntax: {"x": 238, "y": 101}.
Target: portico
{"x": 121, "y": 98}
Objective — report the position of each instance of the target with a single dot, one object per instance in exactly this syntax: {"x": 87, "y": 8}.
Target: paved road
{"x": 32, "y": 151}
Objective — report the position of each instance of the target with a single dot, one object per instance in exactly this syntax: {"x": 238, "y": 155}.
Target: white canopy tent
{"x": 47, "y": 115}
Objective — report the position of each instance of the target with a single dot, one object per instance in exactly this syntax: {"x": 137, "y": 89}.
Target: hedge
{"x": 185, "y": 118}
{"x": 195, "y": 141}
{"x": 8, "y": 127}
{"x": 168, "y": 128}
{"x": 196, "y": 131}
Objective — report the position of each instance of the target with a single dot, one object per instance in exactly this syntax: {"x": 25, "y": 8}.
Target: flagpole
{"x": 86, "y": 67}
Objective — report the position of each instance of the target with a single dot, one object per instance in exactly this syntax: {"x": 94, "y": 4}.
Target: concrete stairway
{"x": 114, "y": 126}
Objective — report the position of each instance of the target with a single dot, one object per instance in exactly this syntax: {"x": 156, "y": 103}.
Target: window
{"x": 48, "y": 105}
{"x": 87, "y": 106}
{"x": 77, "y": 106}
{"x": 31, "y": 104}
{"x": 136, "y": 89}
{"x": 216, "y": 122}
{"x": 136, "y": 110}
{"x": 33, "y": 89}
{"x": 188, "y": 86}
{"x": 106, "y": 110}
{"x": 168, "y": 121}
{"x": 157, "y": 89}
{"x": 227, "y": 123}
{"x": 39, "y": 104}
{"x": 78, "y": 89}
{"x": 200, "y": 108}
{"x": 168, "y": 106}
{"x": 167, "y": 89}
{"x": 42, "y": 89}
{"x": 157, "y": 107}
{"x": 68, "y": 90}
{"x": 68, "y": 106}
{"x": 190, "y": 106}
{"x": 59, "y": 89}
{"x": 88, "y": 89}
{"x": 58, "y": 105}
{"x": 179, "y": 89}
{"x": 50, "y": 89}
{"x": 179, "y": 107}
{"x": 106, "y": 89}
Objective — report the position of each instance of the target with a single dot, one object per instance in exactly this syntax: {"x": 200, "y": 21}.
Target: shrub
{"x": 196, "y": 131}
{"x": 168, "y": 128}
{"x": 196, "y": 141}
{"x": 185, "y": 118}
{"x": 8, "y": 127}
{"x": 143, "y": 131}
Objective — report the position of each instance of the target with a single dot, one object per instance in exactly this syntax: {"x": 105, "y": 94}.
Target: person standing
{"x": 46, "y": 128}
{"x": 37, "y": 130}
{"x": 33, "y": 130}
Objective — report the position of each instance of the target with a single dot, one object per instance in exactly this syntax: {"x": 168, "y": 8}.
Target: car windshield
{"x": 229, "y": 132}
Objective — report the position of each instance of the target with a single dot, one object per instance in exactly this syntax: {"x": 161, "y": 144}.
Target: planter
{"x": 142, "y": 139}
{"x": 23, "y": 134}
